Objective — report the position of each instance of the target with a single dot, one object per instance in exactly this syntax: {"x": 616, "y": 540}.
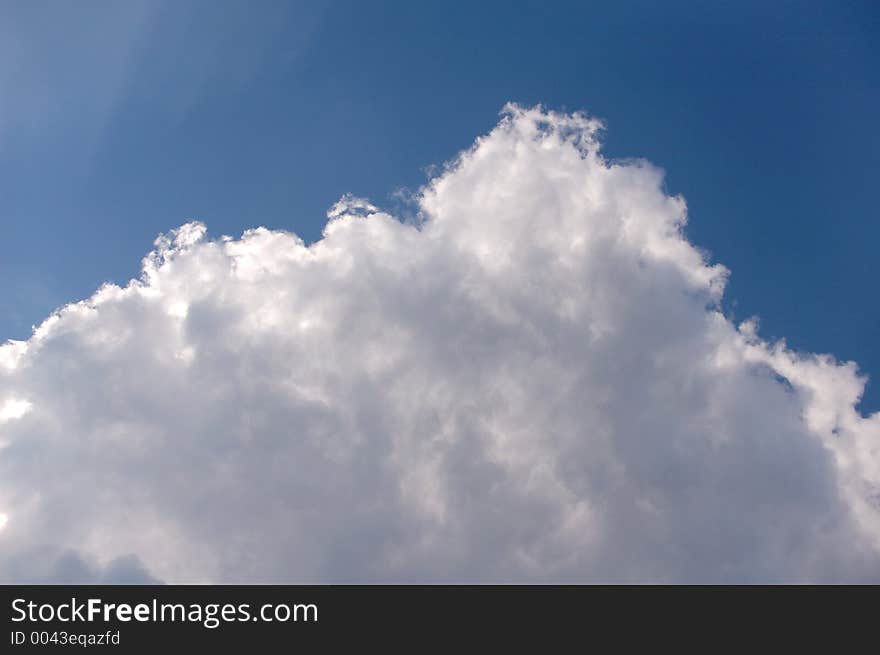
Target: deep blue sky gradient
{"x": 120, "y": 120}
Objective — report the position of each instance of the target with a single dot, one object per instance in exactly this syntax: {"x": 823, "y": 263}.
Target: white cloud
{"x": 13, "y": 408}
{"x": 532, "y": 384}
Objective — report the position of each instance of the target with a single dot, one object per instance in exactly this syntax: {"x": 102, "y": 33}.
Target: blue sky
{"x": 120, "y": 120}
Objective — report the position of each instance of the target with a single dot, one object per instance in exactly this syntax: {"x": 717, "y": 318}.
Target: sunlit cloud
{"x": 533, "y": 381}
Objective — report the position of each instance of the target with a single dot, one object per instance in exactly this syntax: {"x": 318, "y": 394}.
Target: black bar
{"x": 370, "y": 617}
